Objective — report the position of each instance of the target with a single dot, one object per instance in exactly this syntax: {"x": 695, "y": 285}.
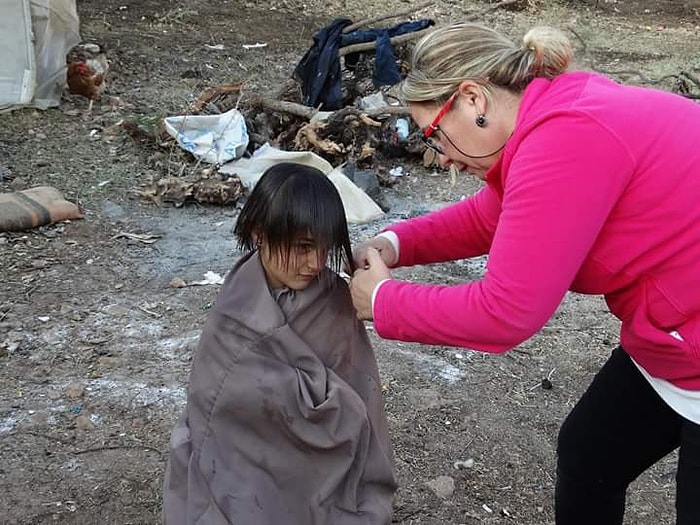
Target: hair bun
{"x": 551, "y": 48}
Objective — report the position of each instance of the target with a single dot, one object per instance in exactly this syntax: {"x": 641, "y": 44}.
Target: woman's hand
{"x": 365, "y": 279}
{"x": 381, "y": 245}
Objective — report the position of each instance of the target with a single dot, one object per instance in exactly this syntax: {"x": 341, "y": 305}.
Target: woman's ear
{"x": 469, "y": 91}
{"x": 472, "y": 93}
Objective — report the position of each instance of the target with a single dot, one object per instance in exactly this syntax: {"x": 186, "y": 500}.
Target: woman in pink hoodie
{"x": 591, "y": 186}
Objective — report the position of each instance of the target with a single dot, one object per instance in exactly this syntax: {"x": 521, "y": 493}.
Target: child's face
{"x": 295, "y": 269}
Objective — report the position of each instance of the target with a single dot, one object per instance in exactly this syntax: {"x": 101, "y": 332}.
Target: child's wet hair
{"x": 291, "y": 201}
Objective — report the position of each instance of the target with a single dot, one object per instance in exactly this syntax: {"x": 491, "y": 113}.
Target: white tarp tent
{"x": 35, "y": 36}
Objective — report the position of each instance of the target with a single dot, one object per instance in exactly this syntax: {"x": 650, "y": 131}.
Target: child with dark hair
{"x": 284, "y": 422}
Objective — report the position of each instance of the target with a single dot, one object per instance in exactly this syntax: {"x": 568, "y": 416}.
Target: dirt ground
{"x": 95, "y": 345}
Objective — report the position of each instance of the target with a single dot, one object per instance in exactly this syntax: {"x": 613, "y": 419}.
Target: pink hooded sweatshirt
{"x": 597, "y": 191}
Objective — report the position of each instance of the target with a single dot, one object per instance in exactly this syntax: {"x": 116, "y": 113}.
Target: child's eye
{"x": 304, "y": 248}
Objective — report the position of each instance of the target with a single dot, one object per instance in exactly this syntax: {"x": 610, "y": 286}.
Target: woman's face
{"x": 295, "y": 269}
{"x": 457, "y": 135}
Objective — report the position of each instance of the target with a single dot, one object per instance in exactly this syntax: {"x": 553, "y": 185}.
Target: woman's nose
{"x": 444, "y": 160}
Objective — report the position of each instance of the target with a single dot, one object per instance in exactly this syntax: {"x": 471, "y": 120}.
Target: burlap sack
{"x": 23, "y": 210}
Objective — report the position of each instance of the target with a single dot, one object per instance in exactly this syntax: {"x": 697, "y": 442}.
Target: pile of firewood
{"x": 365, "y": 137}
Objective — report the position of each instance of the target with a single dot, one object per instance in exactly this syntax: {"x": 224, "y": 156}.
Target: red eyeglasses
{"x": 434, "y": 125}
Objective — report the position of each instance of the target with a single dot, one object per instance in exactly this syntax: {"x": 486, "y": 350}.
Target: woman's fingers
{"x": 381, "y": 244}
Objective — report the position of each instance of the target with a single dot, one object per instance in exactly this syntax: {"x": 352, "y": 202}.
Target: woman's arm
{"x": 563, "y": 183}
{"x": 464, "y": 229}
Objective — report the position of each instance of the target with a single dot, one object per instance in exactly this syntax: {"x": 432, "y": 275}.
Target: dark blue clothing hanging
{"x": 386, "y": 72}
{"x": 319, "y": 71}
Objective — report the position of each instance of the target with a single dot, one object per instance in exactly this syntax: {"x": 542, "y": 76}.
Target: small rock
{"x": 18, "y": 183}
{"x": 467, "y": 463}
{"x": 137, "y": 423}
{"x": 442, "y": 486}
{"x": 75, "y": 391}
{"x": 5, "y": 174}
{"x": 176, "y": 282}
{"x": 54, "y": 395}
{"x": 39, "y": 263}
{"x": 84, "y": 423}
{"x": 107, "y": 362}
{"x": 38, "y": 418}
{"x": 117, "y": 310}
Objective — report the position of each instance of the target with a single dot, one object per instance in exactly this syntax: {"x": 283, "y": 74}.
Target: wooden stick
{"x": 299, "y": 110}
{"x": 366, "y": 46}
{"x": 370, "y": 21}
{"x": 283, "y": 106}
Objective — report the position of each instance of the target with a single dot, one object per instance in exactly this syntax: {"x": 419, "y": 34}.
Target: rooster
{"x": 87, "y": 70}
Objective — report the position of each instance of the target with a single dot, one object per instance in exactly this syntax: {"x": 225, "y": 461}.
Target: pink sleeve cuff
{"x": 374, "y": 293}
{"x": 394, "y": 240}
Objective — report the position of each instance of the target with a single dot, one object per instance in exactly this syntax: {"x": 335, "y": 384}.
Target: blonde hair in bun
{"x": 462, "y": 51}
{"x": 551, "y": 49}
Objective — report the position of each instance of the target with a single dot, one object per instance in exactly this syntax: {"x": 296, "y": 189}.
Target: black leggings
{"x": 618, "y": 429}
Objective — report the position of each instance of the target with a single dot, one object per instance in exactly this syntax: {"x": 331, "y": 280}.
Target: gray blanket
{"x": 284, "y": 422}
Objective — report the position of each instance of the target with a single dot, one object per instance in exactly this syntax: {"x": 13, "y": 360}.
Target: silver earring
{"x": 481, "y": 120}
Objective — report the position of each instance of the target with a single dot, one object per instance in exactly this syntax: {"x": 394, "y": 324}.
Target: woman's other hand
{"x": 381, "y": 245}
{"x": 365, "y": 280}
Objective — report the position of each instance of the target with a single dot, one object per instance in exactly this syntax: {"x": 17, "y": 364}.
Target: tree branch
{"x": 371, "y": 21}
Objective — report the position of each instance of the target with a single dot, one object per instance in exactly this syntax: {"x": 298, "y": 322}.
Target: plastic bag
{"x": 215, "y": 139}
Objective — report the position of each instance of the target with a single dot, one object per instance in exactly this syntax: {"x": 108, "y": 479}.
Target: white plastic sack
{"x": 359, "y": 207}
{"x": 249, "y": 170}
{"x": 213, "y": 138}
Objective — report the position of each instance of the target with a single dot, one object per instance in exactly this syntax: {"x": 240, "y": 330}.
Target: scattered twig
{"x": 212, "y": 94}
{"x": 584, "y": 46}
{"x": 680, "y": 77}
{"x": 117, "y": 447}
{"x": 371, "y": 21}
{"x": 406, "y": 516}
{"x": 150, "y": 312}
{"x": 145, "y": 238}
{"x": 29, "y": 292}
{"x": 45, "y": 436}
{"x": 97, "y": 342}
{"x": 642, "y": 76}
{"x": 693, "y": 78}
{"x": 493, "y": 7}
